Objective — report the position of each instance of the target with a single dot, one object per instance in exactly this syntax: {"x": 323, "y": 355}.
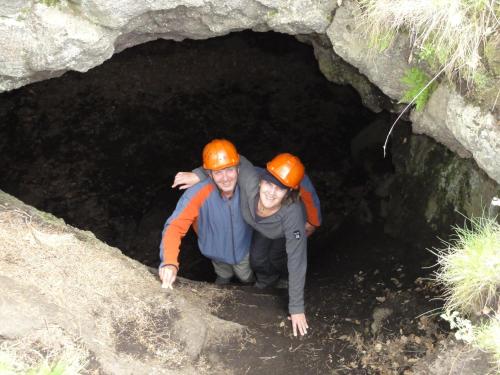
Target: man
{"x": 213, "y": 208}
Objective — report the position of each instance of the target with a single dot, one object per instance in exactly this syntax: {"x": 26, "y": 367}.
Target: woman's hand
{"x": 185, "y": 180}
{"x": 299, "y": 323}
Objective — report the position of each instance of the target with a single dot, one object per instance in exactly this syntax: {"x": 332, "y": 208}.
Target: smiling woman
{"x": 271, "y": 196}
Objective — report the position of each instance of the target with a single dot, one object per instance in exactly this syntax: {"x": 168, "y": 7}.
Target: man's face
{"x": 226, "y": 179}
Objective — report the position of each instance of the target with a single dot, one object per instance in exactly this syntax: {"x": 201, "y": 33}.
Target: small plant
{"x": 487, "y": 338}
{"x": 417, "y": 80}
{"x": 469, "y": 267}
{"x": 469, "y": 271}
{"x": 452, "y": 32}
{"x": 22, "y": 359}
{"x": 51, "y": 3}
{"x": 484, "y": 336}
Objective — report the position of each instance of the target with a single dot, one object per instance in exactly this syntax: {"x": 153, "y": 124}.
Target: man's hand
{"x": 168, "y": 274}
{"x": 299, "y": 323}
{"x": 185, "y": 180}
{"x": 309, "y": 229}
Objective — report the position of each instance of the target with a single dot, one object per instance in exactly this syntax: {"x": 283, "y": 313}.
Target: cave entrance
{"x": 100, "y": 149}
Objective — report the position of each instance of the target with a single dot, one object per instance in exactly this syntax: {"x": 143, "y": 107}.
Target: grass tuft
{"x": 448, "y": 33}
{"x": 487, "y": 338}
{"x": 469, "y": 271}
{"x": 469, "y": 267}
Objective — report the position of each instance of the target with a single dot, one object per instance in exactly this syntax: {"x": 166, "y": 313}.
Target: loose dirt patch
{"x": 64, "y": 295}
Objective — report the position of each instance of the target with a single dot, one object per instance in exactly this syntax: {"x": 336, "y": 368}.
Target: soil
{"x": 363, "y": 271}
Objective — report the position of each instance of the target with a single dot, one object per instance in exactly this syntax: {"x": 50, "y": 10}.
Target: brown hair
{"x": 292, "y": 196}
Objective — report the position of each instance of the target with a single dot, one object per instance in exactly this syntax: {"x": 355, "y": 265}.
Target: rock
{"x": 39, "y": 41}
{"x": 464, "y": 128}
{"x": 433, "y": 189}
{"x": 379, "y": 315}
{"x": 339, "y": 71}
{"x": 383, "y": 69}
{"x": 370, "y": 137}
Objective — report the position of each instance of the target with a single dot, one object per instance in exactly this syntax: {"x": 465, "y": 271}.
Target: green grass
{"x": 469, "y": 267}
{"x": 8, "y": 367}
{"x": 30, "y": 362}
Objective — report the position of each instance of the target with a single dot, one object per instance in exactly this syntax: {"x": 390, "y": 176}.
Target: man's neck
{"x": 227, "y": 195}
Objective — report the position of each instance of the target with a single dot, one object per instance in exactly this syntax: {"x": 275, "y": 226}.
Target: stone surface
{"x": 462, "y": 127}
{"x": 384, "y": 69}
{"x": 40, "y": 42}
{"x": 434, "y": 189}
{"x": 336, "y": 70}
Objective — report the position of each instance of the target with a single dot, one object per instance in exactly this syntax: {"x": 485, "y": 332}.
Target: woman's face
{"x": 271, "y": 195}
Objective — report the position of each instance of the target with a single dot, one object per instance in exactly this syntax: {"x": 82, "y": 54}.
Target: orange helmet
{"x": 288, "y": 169}
{"x": 219, "y": 154}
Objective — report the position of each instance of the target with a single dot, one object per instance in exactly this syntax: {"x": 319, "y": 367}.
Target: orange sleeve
{"x": 311, "y": 209}
{"x": 178, "y": 225}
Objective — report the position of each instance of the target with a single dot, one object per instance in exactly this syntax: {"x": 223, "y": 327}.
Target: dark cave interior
{"x": 100, "y": 149}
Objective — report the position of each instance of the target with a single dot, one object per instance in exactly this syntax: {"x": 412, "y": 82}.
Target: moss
{"x": 272, "y": 13}
{"x": 50, "y": 3}
{"x": 419, "y": 90}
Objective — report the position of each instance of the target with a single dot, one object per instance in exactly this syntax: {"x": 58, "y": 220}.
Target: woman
{"x": 270, "y": 204}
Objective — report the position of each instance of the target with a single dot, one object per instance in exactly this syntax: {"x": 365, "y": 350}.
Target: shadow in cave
{"x": 100, "y": 150}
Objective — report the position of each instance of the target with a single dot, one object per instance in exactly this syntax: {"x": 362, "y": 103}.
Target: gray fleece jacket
{"x": 288, "y": 222}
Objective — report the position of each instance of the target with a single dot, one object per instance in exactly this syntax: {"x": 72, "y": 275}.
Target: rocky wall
{"x": 460, "y": 125}
{"x": 433, "y": 189}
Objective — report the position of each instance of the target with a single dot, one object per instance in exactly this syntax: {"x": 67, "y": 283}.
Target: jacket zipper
{"x": 232, "y": 229}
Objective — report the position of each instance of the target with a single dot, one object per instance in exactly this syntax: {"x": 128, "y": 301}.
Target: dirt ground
{"x": 66, "y": 296}
{"x": 369, "y": 311}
